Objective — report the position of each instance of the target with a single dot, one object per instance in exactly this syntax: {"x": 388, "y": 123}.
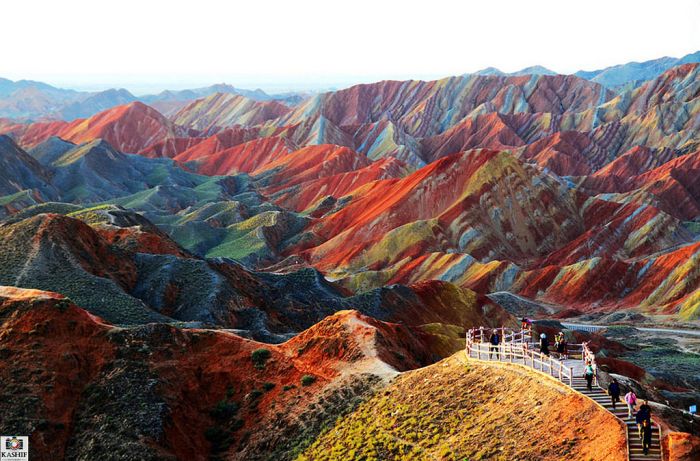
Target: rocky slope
{"x": 222, "y": 110}
{"x": 172, "y": 393}
{"x": 121, "y": 267}
{"x": 129, "y": 128}
{"x": 547, "y": 186}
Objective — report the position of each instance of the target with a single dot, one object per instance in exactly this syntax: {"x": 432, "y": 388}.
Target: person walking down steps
{"x": 646, "y": 436}
{"x": 495, "y": 340}
{"x": 614, "y": 392}
{"x": 643, "y": 414}
{"x": 631, "y": 401}
{"x": 588, "y": 373}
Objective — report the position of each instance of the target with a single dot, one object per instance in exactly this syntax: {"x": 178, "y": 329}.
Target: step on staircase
{"x": 634, "y": 443}
{"x": 475, "y": 349}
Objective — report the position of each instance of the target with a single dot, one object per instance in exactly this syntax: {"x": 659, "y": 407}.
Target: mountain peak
{"x": 489, "y": 71}
{"x": 534, "y": 70}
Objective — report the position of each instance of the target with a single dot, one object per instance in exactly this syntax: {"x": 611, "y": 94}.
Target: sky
{"x": 149, "y": 45}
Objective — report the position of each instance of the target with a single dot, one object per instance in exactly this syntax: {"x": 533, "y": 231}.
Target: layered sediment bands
{"x": 129, "y": 128}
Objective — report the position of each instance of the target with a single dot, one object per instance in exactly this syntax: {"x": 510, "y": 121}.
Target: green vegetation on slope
{"x": 450, "y": 411}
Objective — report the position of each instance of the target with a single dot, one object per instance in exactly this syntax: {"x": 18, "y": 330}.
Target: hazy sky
{"x": 147, "y": 45}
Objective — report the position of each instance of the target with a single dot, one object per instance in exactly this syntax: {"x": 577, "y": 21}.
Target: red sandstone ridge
{"x": 431, "y": 209}
{"x": 139, "y": 240}
{"x": 643, "y": 176}
{"x": 57, "y": 233}
{"x": 634, "y": 162}
{"x": 222, "y": 110}
{"x": 567, "y": 153}
{"x": 129, "y": 128}
{"x": 74, "y": 349}
{"x": 244, "y": 157}
{"x": 169, "y": 147}
{"x": 423, "y": 108}
{"x": 160, "y": 386}
{"x": 677, "y": 84}
{"x": 311, "y": 163}
{"x": 300, "y": 178}
{"x": 303, "y": 195}
{"x": 486, "y": 131}
{"x": 217, "y": 142}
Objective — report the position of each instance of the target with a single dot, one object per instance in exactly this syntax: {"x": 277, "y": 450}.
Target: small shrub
{"x": 268, "y": 386}
{"x": 288, "y": 387}
{"x": 307, "y": 380}
{"x": 63, "y": 304}
{"x": 223, "y": 411}
{"x": 253, "y": 399}
{"x": 260, "y": 357}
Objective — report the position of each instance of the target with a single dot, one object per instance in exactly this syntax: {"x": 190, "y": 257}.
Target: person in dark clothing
{"x": 614, "y": 392}
{"x": 544, "y": 344}
{"x": 646, "y": 436}
{"x": 643, "y": 414}
{"x": 564, "y": 346}
{"x": 561, "y": 346}
{"x": 588, "y": 373}
{"x": 495, "y": 340}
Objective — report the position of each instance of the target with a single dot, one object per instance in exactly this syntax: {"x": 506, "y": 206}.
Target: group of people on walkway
{"x": 561, "y": 346}
{"x": 642, "y": 416}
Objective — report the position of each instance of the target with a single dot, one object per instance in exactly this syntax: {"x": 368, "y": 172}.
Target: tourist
{"x": 614, "y": 392}
{"x": 565, "y": 348}
{"x": 631, "y": 401}
{"x": 525, "y": 326}
{"x": 495, "y": 340}
{"x": 588, "y": 373}
{"x": 544, "y": 344}
{"x": 561, "y": 346}
{"x": 646, "y": 436}
{"x": 643, "y": 414}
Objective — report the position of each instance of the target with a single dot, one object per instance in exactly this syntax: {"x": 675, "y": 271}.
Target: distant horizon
{"x": 140, "y": 88}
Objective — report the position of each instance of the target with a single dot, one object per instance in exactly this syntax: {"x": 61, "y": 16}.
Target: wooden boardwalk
{"x": 518, "y": 348}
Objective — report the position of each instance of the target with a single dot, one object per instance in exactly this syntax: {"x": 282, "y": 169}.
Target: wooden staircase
{"x": 517, "y": 348}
